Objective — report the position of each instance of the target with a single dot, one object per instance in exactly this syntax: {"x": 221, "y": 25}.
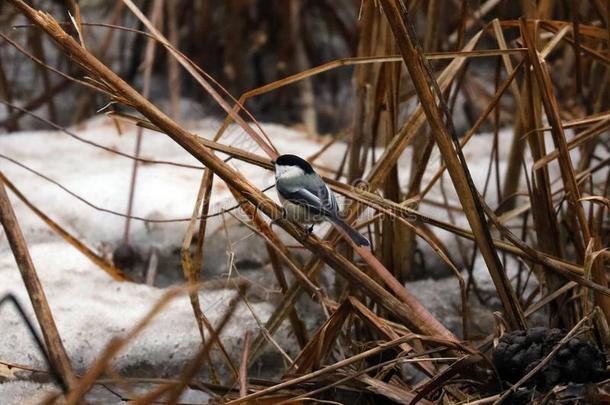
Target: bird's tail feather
{"x": 351, "y": 232}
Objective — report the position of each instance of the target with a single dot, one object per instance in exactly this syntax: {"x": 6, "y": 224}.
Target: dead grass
{"x": 555, "y": 69}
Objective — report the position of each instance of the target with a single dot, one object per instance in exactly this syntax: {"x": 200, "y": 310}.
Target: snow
{"x": 25, "y": 392}
{"x": 84, "y": 302}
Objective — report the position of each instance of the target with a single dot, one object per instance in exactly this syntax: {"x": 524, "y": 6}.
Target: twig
{"x": 108, "y": 211}
{"x": 198, "y": 360}
{"x": 243, "y": 367}
{"x": 446, "y": 139}
{"x": 39, "y": 343}
{"x": 57, "y": 352}
{"x": 157, "y": 14}
{"x": 95, "y": 144}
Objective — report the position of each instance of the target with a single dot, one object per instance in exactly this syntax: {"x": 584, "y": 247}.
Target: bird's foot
{"x": 308, "y": 232}
{"x": 284, "y": 216}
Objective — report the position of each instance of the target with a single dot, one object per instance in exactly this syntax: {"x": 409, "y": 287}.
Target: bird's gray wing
{"x": 307, "y": 199}
{"x": 327, "y": 199}
{"x": 311, "y": 192}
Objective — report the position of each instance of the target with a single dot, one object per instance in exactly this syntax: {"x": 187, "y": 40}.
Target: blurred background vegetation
{"x": 245, "y": 44}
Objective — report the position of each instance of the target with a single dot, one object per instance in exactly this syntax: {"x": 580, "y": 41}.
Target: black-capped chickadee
{"x": 306, "y": 197}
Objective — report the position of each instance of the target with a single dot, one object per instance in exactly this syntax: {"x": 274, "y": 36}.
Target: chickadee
{"x": 306, "y": 198}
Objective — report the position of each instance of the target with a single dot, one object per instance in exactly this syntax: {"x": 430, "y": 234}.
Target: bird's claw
{"x": 284, "y": 216}
{"x": 308, "y": 232}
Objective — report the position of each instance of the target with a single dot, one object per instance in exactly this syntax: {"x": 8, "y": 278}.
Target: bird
{"x": 306, "y": 198}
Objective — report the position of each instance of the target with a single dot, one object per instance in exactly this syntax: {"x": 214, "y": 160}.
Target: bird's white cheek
{"x": 288, "y": 172}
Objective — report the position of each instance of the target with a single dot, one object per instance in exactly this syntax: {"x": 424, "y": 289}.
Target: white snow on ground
{"x": 25, "y": 392}
{"x": 83, "y": 299}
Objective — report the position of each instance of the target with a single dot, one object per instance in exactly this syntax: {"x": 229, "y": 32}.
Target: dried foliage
{"x": 410, "y": 60}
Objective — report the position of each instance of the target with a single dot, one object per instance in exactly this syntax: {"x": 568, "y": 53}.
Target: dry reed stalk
{"x": 387, "y": 206}
{"x": 307, "y": 95}
{"x": 55, "y": 348}
{"x": 547, "y": 299}
{"x": 76, "y": 20}
{"x": 443, "y": 377}
{"x": 280, "y": 250}
{"x": 191, "y": 267}
{"x": 561, "y": 267}
{"x": 195, "y": 364}
{"x": 321, "y": 342}
{"x": 336, "y": 366}
{"x": 385, "y": 329}
{"x": 387, "y": 277}
{"x": 280, "y": 313}
{"x": 243, "y": 367}
{"x": 393, "y": 151}
{"x": 540, "y": 258}
{"x": 149, "y": 59}
{"x": 35, "y": 43}
{"x": 552, "y": 112}
{"x": 397, "y": 15}
{"x": 11, "y": 124}
{"x": 394, "y": 233}
{"x": 424, "y": 143}
{"x": 548, "y": 100}
{"x": 416, "y": 120}
{"x": 365, "y": 78}
{"x": 357, "y": 197}
{"x": 512, "y": 175}
{"x": 273, "y": 243}
{"x": 458, "y": 57}
{"x": 394, "y": 392}
{"x": 375, "y": 201}
{"x": 476, "y": 126}
{"x": 173, "y": 77}
{"x": 546, "y": 225}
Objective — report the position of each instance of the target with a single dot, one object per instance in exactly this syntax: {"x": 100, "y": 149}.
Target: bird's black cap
{"x": 293, "y": 160}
